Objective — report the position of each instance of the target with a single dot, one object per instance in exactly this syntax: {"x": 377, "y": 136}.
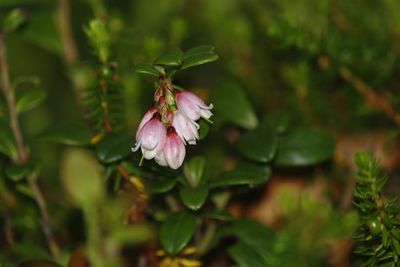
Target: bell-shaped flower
{"x": 149, "y": 114}
{"x": 151, "y": 137}
{"x": 192, "y": 106}
{"x": 185, "y": 128}
{"x": 174, "y": 150}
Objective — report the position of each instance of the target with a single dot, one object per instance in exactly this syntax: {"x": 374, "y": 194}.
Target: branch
{"x": 371, "y": 96}
{"x": 23, "y": 156}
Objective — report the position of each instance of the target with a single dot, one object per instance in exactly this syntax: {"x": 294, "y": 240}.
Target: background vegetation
{"x": 298, "y": 89}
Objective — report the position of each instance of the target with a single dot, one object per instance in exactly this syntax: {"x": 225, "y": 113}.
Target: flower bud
{"x": 185, "y": 128}
{"x": 151, "y": 137}
{"x": 174, "y": 150}
{"x": 192, "y": 106}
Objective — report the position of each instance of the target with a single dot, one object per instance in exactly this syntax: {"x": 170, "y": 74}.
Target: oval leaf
{"x": 194, "y": 170}
{"x": 198, "y": 59}
{"x": 260, "y": 145}
{"x": 146, "y": 68}
{"x": 246, "y": 174}
{"x": 161, "y": 184}
{"x": 193, "y": 198}
{"x": 71, "y": 135}
{"x": 304, "y": 147}
{"x": 202, "y": 49}
{"x": 177, "y": 231}
{"x": 173, "y": 58}
{"x": 115, "y": 147}
{"x": 232, "y": 105}
{"x": 30, "y": 99}
{"x": 81, "y": 176}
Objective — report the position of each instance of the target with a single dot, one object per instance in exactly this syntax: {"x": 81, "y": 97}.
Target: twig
{"x": 65, "y": 31}
{"x": 371, "y": 96}
{"x": 23, "y": 156}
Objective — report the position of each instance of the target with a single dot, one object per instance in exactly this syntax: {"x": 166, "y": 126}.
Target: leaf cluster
{"x": 378, "y": 234}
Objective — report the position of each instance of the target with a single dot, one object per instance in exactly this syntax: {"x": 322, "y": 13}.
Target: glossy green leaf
{"x": 82, "y": 176}
{"x": 161, "y": 184}
{"x": 177, "y": 231}
{"x": 115, "y": 147}
{"x": 259, "y": 145}
{"x": 7, "y": 143}
{"x": 204, "y": 128}
{"x": 193, "y": 198}
{"x": 198, "y": 59}
{"x": 194, "y": 170}
{"x": 245, "y": 256}
{"x": 222, "y": 215}
{"x": 304, "y": 147}
{"x": 39, "y": 263}
{"x": 173, "y": 58}
{"x": 67, "y": 135}
{"x": 232, "y": 105}
{"x": 277, "y": 120}
{"x": 245, "y": 174}
{"x": 202, "y": 49}
{"x": 30, "y": 99}
{"x": 146, "y": 68}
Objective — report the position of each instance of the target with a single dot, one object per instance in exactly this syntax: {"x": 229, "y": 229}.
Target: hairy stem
{"x": 23, "y": 156}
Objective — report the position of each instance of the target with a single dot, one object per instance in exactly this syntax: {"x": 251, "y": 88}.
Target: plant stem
{"x": 65, "y": 31}
{"x": 93, "y": 236}
{"x": 23, "y": 156}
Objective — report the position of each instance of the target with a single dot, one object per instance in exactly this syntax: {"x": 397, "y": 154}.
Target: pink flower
{"x": 174, "y": 150}
{"x": 192, "y": 106}
{"x": 151, "y": 137}
{"x": 185, "y": 128}
{"x": 149, "y": 114}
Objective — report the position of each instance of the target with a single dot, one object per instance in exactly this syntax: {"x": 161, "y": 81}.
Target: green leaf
{"x": 146, "y": 68}
{"x": 193, "y": 198}
{"x": 161, "y": 184}
{"x": 194, "y": 170}
{"x": 82, "y": 177}
{"x": 277, "y": 120}
{"x": 18, "y": 172}
{"x": 232, "y": 105}
{"x": 30, "y": 99}
{"x": 73, "y": 135}
{"x": 7, "y": 143}
{"x": 245, "y": 174}
{"x": 114, "y": 147}
{"x": 204, "y": 128}
{"x": 41, "y": 30}
{"x": 198, "y": 59}
{"x": 39, "y": 263}
{"x": 245, "y": 256}
{"x": 202, "y": 49}
{"x": 222, "y": 215}
{"x": 177, "y": 231}
{"x": 14, "y": 19}
{"x": 304, "y": 147}
{"x": 173, "y": 58}
{"x": 260, "y": 145}
{"x": 131, "y": 234}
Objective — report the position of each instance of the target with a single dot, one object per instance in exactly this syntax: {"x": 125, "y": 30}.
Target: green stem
{"x": 93, "y": 232}
{"x": 23, "y": 155}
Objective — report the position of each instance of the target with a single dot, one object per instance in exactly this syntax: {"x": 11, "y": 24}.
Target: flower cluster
{"x": 170, "y": 124}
